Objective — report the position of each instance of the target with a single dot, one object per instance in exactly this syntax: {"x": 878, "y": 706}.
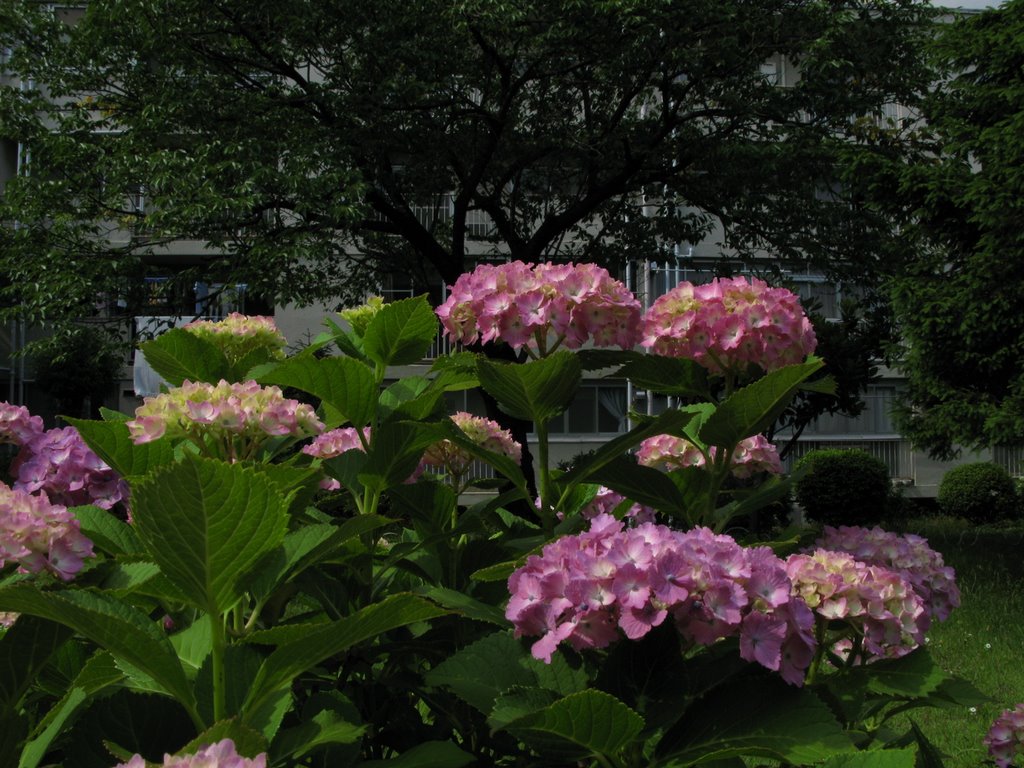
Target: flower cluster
{"x": 219, "y": 755}
{"x": 752, "y": 455}
{"x": 584, "y": 589}
{"x": 239, "y": 335}
{"x": 224, "y": 410}
{"x": 522, "y": 304}
{"x": 878, "y": 604}
{"x": 17, "y": 425}
{"x": 908, "y": 555}
{"x": 1005, "y": 739}
{"x": 449, "y": 457}
{"x": 334, "y": 443}
{"x": 729, "y": 324}
{"x": 606, "y": 501}
{"x": 40, "y": 536}
{"x": 57, "y": 462}
{"x": 60, "y": 464}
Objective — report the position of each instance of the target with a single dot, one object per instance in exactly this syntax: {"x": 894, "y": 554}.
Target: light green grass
{"x": 983, "y": 641}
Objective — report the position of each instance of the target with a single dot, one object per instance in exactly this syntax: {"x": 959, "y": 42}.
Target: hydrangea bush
{"x": 241, "y": 618}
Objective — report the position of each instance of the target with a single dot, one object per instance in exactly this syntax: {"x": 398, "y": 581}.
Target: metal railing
{"x": 1011, "y": 458}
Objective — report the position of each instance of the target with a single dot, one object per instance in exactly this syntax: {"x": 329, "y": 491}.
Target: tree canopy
{"x": 313, "y": 146}
{"x": 959, "y": 300}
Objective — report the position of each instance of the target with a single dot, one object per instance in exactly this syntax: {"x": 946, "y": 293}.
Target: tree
{"x": 313, "y": 144}
{"x": 959, "y": 302}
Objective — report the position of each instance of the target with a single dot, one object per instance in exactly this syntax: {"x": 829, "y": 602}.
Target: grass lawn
{"x": 983, "y": 640}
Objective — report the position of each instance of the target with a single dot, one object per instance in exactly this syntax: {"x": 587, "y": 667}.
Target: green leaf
{"x": 464, "y": 605}
{"x": 760, "y": 717}
{"x": 206, "y": 523}
{"x": 178, "y": 355}
{"x": 877, "y": 758}
{"x": 194, "y": 643}
{"x": 401, "y": 332}
{"x": 395, "y": 452}
{"x": 36, "y": 749}
{"x": 482, "y": 671}
{"x": 107, "y": 532}
{"x": 413, "y": 397}
{"x": 642, "y": 484}
{"x": 111, "y": 441}
{"x": 294, "y": 658}
{"x": 25, "y": 649}
{"x": 927, "y": 755}
{"x": 534, "y": 391}
{"x": 752, "y": 409}
{"x": 674, "y": 376}
{"x": 306, "y": 547}
{"x": 325, "y": 727}
{"x": 585, "y": 723}
{"x": 430, "y": 754}
{"x": 124, "y": 631}
{"x": 124, "y": 578}
{"x": 913, "y": 676}
{"x": 343, "y": 383}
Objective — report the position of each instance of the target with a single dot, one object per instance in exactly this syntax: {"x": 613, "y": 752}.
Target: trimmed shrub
{"x": 982, "y": 492}
{"x": 844, "y": 486}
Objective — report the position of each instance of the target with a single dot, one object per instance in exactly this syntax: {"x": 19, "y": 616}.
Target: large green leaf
{"x": 25, "y": 649}
{"x": 678, "y": 377}
{"x": 755, "y": 717}
{"x": 307, "y": 546}
{"x": 325, "y": 727}
{"x": 586, "y": 723}
{"x": 121, "y": 629}
{"x": 248, "y": 743}
{"x": 206, "y": 523}
{"x": 343, "y": 383}
{"x": 106, "y": 531}
{"x": 37, "y": 748}
{"x": 401, "y": 332}
{"x": 754, "y": 408}
{"x": 291, "y": 659}
{"x": 110, "y": 440}
{"x": 178, "y": 355}
{"x": 535, "y": 391}
{"x": 641, "y": 484}
{"x": 485, "y": 669}
{"x": 413, "y": 397}
{"x": 914, "y": 675}
{"x": 395, "y": 452}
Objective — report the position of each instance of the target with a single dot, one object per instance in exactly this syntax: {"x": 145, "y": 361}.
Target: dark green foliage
{"x": 981, "y": 492}
{"x": 845, "y": 486}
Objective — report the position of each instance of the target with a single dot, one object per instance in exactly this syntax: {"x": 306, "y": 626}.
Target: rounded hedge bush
{"x": 844, "y": 486}
{"x": 982, "y": 492}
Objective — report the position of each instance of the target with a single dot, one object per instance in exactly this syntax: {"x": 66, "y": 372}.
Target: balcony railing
{"x": 896, "y": 453}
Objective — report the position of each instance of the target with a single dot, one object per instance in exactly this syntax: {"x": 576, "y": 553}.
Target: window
{"x": 596, "y": 409}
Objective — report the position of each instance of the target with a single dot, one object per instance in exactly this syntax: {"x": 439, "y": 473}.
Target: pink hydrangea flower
{"x": 908, "y": 555}
{"x": 1005, "y": 739}
{"x": 7, "y": 619}
{"x": 334, "y": 443}
{"x": 239, "y": 335}
{"x": 879, "y": 604}
{"x": 590, "y": 589}
{"x": 729, "y": 324}
{"x": 17, "y": 425}
{"x": 541, "y": 307}
{"x": 239, "y": 416}
{"x": 606, "y": 501}
{"x": 59, "y": 463}
{"x": 40, "y": 536}
{"x": 752, "y": 455}
{"x": 219, "y": 755}
{"x": 448, "y": 457}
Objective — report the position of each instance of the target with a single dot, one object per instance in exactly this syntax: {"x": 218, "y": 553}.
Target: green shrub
{"x": 982, "y": 492}
{"x": 844, "y": 486}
